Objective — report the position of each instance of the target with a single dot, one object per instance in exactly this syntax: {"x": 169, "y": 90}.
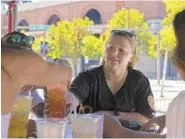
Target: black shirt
{"x": 91, "y": 88}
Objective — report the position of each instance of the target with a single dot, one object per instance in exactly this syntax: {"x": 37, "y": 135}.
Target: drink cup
{"x": 51, "y": 128}
{"x": 19, "y": 117}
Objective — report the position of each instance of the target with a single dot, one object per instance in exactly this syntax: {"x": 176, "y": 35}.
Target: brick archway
{"x": 94, "y": 15}
{"x": 23, "y": 22}
{"x": 50, "y": 14}
{"x": 53, "y": 19}
{"x": 92, "y": 6}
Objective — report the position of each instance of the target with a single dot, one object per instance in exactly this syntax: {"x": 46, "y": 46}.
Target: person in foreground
{"x": 20, "y": 66}
{"x": 175, "y": 114}
{"x": 175, "y": 119}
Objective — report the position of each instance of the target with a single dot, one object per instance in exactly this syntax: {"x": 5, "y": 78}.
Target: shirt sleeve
{"x": 80, "y": 87}
{"x": 144, "y": 98}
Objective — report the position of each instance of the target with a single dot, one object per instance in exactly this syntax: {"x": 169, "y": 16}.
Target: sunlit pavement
{"x": 171, "y": 89}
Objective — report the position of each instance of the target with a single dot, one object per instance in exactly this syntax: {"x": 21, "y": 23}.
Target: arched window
{"x": 53, "y": 20}
{"x": 94, "y": 15}
{"x": 23, "y": 23}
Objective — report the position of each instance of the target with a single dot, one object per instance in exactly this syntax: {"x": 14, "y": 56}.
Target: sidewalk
{"x": 171, "y": 89}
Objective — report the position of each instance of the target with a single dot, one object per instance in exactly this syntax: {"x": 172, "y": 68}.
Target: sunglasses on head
{"x": 124, "y": 32}
{"x": 17, "y": 37}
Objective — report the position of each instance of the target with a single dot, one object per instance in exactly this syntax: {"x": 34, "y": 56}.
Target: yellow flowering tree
{"x": 130, "y": 19}
{"x": 167, "y": 36}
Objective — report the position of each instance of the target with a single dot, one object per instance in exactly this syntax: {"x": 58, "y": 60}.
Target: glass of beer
{"x": 56, "y": 103}
{"x": 19, "y": 117}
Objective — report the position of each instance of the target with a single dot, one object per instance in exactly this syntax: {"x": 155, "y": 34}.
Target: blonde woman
{"x": 175, "y": 118}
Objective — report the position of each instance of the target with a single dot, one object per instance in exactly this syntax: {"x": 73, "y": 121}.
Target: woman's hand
{"x": 160, "y": 121}
{"x": 133, "y": 116}
{"x": 32, "y": 88}
{"x": 113, "y": 129}
{"x": 127, "y": 116}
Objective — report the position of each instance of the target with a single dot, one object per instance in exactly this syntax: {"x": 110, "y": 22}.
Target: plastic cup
{"x": 51, "y": 128}
{"x": 87, "y": 126}
{"x": 20, "y": 116}
{"x": 57, "y": 103}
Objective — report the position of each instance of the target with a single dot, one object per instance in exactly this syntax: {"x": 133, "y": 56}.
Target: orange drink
{"x": 57, "y": 103}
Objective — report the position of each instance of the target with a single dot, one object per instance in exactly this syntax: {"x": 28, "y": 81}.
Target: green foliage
{"x": 67, "y": 36}
{"x": 65, "y": 39}
{"x": 92, "y": 46}
{"x": 132, "y": 18}
{"x": 167, "y": 35}
{"x": 172, "y": 8}
{"x": 128, "y": 19}
{"x": 72, "y": 38}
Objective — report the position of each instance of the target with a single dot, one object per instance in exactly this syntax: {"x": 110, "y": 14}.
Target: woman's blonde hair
{"x": 130, "y": 36}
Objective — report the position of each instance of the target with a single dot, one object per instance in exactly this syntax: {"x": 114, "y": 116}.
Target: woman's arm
{"x": 125, "y": 132}
{"x": 133, "y": 116}
{"x": 80, "y": 87}
{"x": 144, "y": 100}
{"x": 160, "y": 120}
{"x": 113, "y": 129}
{"x": 127, "y": 116}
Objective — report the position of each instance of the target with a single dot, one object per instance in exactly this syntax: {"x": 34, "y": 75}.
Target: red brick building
{"x": 49, "y": 12}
